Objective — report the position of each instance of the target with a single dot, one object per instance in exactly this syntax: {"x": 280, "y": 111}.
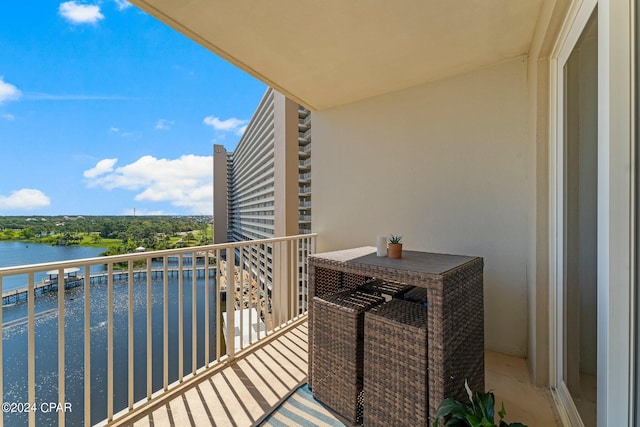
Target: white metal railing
{"x": 304, "y": 163}
{"x": 304, "y": 148}
{"x": 305, "y": 136}
{"x": 189, "y": 287}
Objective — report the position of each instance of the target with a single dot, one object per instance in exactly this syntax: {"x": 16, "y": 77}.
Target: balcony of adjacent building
{"x": 304, "y": 137}
{"x": 304, "y": 218}
{"x": 304, "y": 123}
{"x": 304, "y": 191}
{"x": 304, "y": 204}
{"x": 304, "y": 151}
{"x": 304, "y": 165}
{"x": 304, "y": 178}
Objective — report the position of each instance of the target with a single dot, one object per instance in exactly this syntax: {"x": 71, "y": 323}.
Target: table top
{"x": 415, "y": 261}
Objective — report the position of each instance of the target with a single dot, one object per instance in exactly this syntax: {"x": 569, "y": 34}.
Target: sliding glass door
{"x": 577, "y": 295}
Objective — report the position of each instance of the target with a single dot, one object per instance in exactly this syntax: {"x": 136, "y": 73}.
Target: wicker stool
{"x": 338, "y": 335}
{"x": 396, "y": 381}
{"x": 386, "y": 289}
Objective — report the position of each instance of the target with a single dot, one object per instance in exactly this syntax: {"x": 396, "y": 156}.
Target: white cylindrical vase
{"x": 381, "y": 245}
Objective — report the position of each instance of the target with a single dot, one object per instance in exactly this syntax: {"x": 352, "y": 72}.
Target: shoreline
{"x": 99, "y": 245}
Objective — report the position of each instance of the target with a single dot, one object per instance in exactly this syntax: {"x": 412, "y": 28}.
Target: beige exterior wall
{"x": 220, "y": 194}
{"x": 443, "y": 164}
{"x": 285, "y": 166}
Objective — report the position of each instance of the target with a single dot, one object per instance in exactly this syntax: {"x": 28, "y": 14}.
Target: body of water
{"x": 20, "y": 253}
{"x": 46, "y": 342}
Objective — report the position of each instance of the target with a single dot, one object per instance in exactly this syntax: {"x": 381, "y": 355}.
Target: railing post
{"x": 194, "y": 314}
{"x": 231, "y": 289}
{"x": 130, "y": 332}
{"x": 165, "y": 323}
{"x": 218, "y": 305}
{"x": 206, "y": 308}
{"x": 180, "y": 320}
{"x": 61, "y": 390}
{"x": 109, "y": 342}
{"x": 87, "y": 345}
{"x": 31, "y": 346}
{"x": 149, "y": 332}
{"x": 1, "y": 355}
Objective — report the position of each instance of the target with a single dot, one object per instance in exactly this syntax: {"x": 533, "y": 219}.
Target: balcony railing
{"x": 304, "y": 190}
{"x": 304, "y": 149}
{"x": 303, "y": 123}
{"x": 304, "y": 163}
{"x": 129, "y": 328}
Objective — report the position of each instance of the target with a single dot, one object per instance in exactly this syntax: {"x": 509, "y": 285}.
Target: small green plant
{"x": 479, "y": 414}
{"x": 395, "y": 239}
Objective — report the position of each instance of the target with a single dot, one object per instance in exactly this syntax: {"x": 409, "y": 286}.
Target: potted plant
{"x": 479, "y": 414}
{"x": 395, "y": 247}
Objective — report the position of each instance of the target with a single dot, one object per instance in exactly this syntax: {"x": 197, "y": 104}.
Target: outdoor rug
{"x": 301, "y": 409}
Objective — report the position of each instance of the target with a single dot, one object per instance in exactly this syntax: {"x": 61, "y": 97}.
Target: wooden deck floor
{"x": 244, "y": 393}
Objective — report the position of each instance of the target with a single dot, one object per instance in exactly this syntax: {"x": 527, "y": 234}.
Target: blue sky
{"x": 104, "y": 109}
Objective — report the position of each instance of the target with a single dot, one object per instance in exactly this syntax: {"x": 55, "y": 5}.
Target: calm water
{"x": 15, "y": 338}
{"x": 17, "y": 253}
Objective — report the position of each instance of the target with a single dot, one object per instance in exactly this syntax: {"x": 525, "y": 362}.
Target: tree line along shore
{"x": 119, "y": 234}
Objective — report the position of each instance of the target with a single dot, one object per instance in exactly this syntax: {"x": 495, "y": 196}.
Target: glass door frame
{"x": 568, "y": 411}
{"x": 617, "y": 224}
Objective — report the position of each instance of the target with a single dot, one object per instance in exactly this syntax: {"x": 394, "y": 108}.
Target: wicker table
{"x": 455, "y": 308}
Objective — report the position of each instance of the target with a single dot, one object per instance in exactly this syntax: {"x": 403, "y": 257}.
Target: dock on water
{"x": 73, "y": 280}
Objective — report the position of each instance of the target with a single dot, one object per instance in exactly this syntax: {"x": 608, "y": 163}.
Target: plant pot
{"x": 395, "y": 250}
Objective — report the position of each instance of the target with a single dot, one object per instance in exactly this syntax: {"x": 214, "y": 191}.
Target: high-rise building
{"x": 263, "y": 188}
{"x": 254, "y": 192}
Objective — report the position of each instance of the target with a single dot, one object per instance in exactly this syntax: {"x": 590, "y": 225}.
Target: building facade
{"x": 263, "y": 188}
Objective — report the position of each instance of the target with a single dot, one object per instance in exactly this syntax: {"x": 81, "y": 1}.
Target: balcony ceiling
{"x": 332, "y": 52}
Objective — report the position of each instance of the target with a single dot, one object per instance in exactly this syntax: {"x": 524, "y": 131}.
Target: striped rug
{"x": 301, "y": 409}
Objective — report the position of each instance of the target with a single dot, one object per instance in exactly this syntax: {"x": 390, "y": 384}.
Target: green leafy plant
{"x": 479, "y": 414}
{"x": 395, "y": 239}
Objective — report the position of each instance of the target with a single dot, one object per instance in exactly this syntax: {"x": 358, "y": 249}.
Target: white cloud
{"x": 8, "y": 92}
{"x": 102, "y": 167}
{"x": 24, "y": 199}
{"x": 39, "y": 96}
{"x": 185, "y": 182}
{"x": 164, "y": 124}
{"x": 78, "y": 13}
{"x": 123, "y": 4}
{"x": 9, "y": 117}
{"x": 230, "y": 125}
{"x": 114, "y": 129}
{"x": 134, "y": 135}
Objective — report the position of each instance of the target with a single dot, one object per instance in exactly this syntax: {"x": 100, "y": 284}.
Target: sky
{"x": 104, "y": 110}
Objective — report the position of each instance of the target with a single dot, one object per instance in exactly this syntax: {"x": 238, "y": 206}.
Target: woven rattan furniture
{"x": 338, "y": 345}
{"x": 396, "y": 365}
{"x": 328, "y": 282}
{"x": 419, "y": 295}
{"x": 388, "y": 290}
{"x": 455, "y": 316}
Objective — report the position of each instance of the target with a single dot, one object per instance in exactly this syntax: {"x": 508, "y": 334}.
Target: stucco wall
{"x": 444, "y": 165}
